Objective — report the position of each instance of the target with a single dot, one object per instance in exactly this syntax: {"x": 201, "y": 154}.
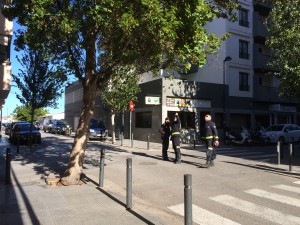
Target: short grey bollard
{"x": 129, "y": 184}
{"x": 194, "y": 140}
{"x": 122, "y": 138}
{"x": 148, "y": 141}
{"x": 101, "y": 175}
{"x": 188, "y": 211}
{"x": 8, "y": 165}
{"x": 278, "y": 153}
{"x": 132, "y": 140}
{"x": 290, "y": 159}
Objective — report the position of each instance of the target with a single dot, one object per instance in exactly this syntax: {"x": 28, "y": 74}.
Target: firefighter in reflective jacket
{"x": 211, "y": 138}
{"x": 176, "y": 138}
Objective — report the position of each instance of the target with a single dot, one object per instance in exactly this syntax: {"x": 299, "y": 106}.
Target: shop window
{"x": 187, "y": 119}
{"x": 143, "y": 119}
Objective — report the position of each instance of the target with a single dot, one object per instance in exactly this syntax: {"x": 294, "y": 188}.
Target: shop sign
{"x": 151, "y": 100}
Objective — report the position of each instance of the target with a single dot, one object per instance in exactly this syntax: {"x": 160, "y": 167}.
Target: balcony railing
{"x": 243, "y": 23}
{"x": 244, "y": 55}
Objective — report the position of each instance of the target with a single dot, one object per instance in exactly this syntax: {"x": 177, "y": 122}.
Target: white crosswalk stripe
{"x": 288, "y": 188}
{"x": 275, "y": 197}
{"x": 257, "y": 210}
{"x": 203, "y": 216}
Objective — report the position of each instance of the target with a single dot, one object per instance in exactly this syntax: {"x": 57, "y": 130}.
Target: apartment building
{"x": 232, "y": 87}
{"x": 6, "y": 32}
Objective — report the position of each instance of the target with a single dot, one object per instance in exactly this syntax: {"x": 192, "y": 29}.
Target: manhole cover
{"x": 148, "y": 163}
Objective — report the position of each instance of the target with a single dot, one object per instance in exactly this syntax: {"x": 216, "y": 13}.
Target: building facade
{"x": 232, "y": 87}
{"x": 6, "y": 32}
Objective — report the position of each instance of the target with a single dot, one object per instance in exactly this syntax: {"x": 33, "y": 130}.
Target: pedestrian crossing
{"x": 250, "y": 208}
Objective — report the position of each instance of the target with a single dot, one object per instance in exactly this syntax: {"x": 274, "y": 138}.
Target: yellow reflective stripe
{"x": 175, "y": 133}
{"x": 210, "y": 148}
{"x": 177, "y": 146}
{"x": 216, "y": 137}
{"x": 209, "y": 137}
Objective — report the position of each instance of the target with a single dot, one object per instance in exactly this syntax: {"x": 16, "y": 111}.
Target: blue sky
{"x": 12, "y": 102}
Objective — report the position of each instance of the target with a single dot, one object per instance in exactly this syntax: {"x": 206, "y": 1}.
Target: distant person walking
{"x": 176, "y": 126}
{"x": 165, "y": 131}
{"x": 211, "y": 139}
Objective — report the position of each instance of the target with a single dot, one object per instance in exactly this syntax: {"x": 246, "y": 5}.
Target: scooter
{"x": 244, "y": 138}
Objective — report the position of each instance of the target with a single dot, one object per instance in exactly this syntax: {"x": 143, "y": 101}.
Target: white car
{"x": 284, "y": 133}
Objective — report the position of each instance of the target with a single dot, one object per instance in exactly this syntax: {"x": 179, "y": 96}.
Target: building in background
{"x": 232, "y": 87}
{"x": 6, "y": 32}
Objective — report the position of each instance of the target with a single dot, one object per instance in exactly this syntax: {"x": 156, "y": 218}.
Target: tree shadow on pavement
{"x": 269, "y": 169}
{"x": 86, "y": 178}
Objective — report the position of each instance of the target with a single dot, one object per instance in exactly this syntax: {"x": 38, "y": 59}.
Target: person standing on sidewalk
{"x": 211, "y": 139}
{"x": 176, "y": 126}
{"x": 165, "y": 131}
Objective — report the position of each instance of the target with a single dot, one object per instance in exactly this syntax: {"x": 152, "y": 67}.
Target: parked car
{"x": 283, "y": 132}
{"x": 7, "y": 129}
{"x": 47, "y": 125}
{"x": 61, "y": 127}
{"x": 97, "y": 130}
{"x": 21, "y": 132}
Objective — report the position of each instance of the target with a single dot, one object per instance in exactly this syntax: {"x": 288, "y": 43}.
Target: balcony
{"x": 259, "y": 29}
{"x": 260, "y": 61}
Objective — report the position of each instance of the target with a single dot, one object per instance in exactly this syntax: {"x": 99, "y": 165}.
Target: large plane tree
{"x": 90, "y": 38}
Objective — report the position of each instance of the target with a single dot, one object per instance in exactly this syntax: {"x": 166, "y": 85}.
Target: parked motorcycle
{"x": 259, "y": 138}
{"x": 243, "y": 138}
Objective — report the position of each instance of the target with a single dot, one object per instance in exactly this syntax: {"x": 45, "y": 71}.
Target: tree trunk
{"x": 113, "y": 127}
{"x": 72, "y": 174}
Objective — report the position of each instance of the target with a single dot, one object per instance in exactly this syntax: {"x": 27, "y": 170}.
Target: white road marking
{"x": 257, "y": 210}
{"x": 288, "y": 188}
{"x": 203, "y": 216}
{"x": 297, "y": 182}
{"x": 275, "y": 197}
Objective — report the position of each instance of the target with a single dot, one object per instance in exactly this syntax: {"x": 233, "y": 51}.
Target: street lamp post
{"x": 227, "y": 58}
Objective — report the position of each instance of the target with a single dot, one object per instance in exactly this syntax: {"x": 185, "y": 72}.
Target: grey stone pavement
{"x": 30, "y": 200}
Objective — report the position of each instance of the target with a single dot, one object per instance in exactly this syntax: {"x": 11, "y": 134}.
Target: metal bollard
{"x": 188, "y": 210}
{"x": 148, "y": 141}
{"x": 278, "y": 153}
{"x": 132, "y": 140}
{"x": 122, "y": 137}
{"x": 129, "y": 184}
{"x": 101, "y": 175}
{"x": 194, "y": 140}
{"x": 8, "y": 166}
{"x": 290, "y": 159}
{"x": 281, "y": 150}
{"x": 18, "y": 145}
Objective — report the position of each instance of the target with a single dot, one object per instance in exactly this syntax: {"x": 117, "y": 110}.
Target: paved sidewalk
{"x": 29, "y": 200}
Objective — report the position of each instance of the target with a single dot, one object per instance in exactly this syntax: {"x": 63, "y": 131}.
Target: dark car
{"x": 97, "y": 130}
{"x": 20, "y": 133}
{"x": 61, "y": 127}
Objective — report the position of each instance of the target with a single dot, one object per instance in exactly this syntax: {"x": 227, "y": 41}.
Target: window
{"x": 243, "y": 49}
{"x": 143, "y": 119}
{"x": 243, "y": 18}
{"x": 187, "y": 119}
{"x": 244, "y": 83}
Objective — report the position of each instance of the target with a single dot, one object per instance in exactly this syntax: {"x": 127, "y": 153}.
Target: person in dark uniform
{"x": 211, "y": 139}
{"x": 176, "y": 138}
{"x": 165, "y": 131}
